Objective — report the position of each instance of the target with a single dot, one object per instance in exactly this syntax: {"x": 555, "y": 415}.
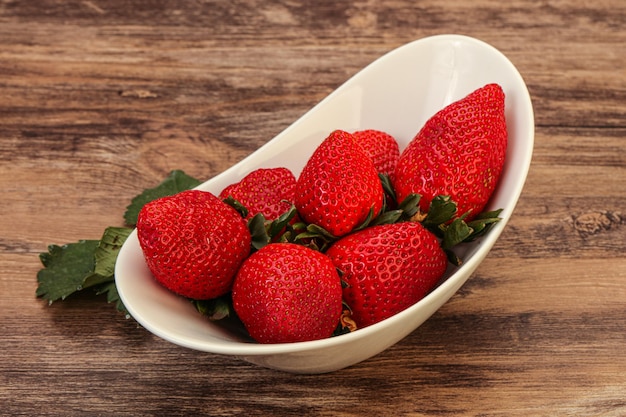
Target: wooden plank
{"x": 99, "y": 100}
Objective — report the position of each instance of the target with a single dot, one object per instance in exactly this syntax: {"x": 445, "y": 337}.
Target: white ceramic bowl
{"x": 397, "y": 93}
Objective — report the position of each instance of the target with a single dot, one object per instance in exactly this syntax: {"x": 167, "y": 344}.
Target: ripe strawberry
{"x": 269, "y": 191}
{"x": 338, "y": 186}
{"x": 459, "y": 152}
{"x": 387, "y": 268}
{"x": 288, "y": 293}
{"x": 193, "y": 243}
{"x": 381, "y": 147}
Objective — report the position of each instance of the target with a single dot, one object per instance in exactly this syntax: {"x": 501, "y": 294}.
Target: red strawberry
{"x": 269, "y": 191}
{"x": 459, "y": 152}
{"x": 387, "y": 268}
{"x": 193, "y": 243}
{"x": 381, "y": 147}
{"x": 338, "y": 186}
{"x": 288, "y": 293}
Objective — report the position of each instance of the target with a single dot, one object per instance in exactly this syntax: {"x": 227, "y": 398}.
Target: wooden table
{"x": 99, "y": 100}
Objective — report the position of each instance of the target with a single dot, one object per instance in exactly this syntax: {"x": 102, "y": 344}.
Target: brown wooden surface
{"x": 99, "y": 100}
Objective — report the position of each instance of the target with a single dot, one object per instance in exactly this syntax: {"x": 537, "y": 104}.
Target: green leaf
{"x": 65, "y": 269}
{"x": 105, "y": 256}
{"x": 314, "y": 230}
{"x": 483, "y": 223}
{"x": 241, "y": 209}
{"x": 113, "y": 296}
{"x": 91, "y": 263}
{"x": 366, "y": 222}
{"x": 494, "y": 214}
{"x": 455, "y": 233}
{"x": 256, "y": 225}
{"x": 215, "y": 308}
{"x": 453, "y": 258}
{"x": 388, "y": 217}
{"x": 287, "y": 237}
{"x": 176, "y": 182}
{"x": 277, "y": 226}
{"x": 410, "y": 205}
{"x": 480, "y": 228}
{"x": 459, "y": 231}
{"x": 442, "y": 209}
{"x": 108, "y": 249}
{"x": 300, "y": 225}
{"x": 315, "y": 237}
{"x": 388, "y": 187}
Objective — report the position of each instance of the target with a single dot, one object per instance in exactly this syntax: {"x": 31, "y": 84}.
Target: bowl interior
{"x": 396, "y": 93}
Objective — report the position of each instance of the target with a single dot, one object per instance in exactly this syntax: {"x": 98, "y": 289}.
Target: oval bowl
{"x": 397, "y": 93}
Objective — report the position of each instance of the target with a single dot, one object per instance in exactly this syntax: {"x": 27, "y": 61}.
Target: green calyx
{"x": 282, "y": 229}
{"x": 441, "y": 219}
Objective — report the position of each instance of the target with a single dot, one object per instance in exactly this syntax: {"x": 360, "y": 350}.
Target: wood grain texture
{"x": 99, "y": 100}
